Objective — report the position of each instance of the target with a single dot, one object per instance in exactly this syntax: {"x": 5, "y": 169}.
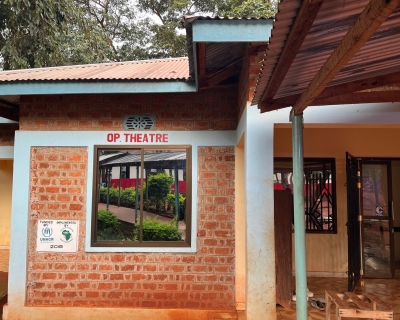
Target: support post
{"x": 119, "y": 186}
{"x": 108, "y": 173}
{"x": 147, "y": 190}
{"x": 299, "y": 224}
{"x": 176, "y": 181}
{"x": 136, "y": 193}
{"x": 260, "y": 295}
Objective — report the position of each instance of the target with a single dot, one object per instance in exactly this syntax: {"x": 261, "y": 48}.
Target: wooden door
{"x": 283, "y": 208}
{"x": 353, "y": 222}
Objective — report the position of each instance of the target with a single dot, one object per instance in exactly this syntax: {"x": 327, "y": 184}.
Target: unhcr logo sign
{"x": 57, "y": 236}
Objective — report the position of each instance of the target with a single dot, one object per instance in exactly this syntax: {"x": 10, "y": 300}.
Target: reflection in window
{"x": 319, "y": 191}
{"x": 374, "y": 190}
{"x": 142, "y": 197}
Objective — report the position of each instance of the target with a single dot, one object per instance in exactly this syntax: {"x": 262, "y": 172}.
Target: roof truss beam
{"x": 334, "y": 91}
{"x": 361, "y": 97}
{"x": 302, "y": 24}
{"x": 370, "y": 19}
{"x": 224, "y": 74}
{"x": 350, "y": 98}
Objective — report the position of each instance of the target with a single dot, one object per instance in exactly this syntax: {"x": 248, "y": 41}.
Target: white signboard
{"x": 57, "y": 236}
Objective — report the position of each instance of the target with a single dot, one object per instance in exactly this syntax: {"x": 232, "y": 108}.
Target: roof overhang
{"x": 95, "y": 87}
{"x": 217, "y": 46}
{"x": 238, "y": 30}
{"x": 322, "y": 53}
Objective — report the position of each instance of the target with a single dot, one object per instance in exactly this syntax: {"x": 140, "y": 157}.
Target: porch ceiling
{"x": 296, "y": 70}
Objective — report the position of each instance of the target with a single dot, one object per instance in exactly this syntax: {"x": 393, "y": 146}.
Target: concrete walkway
{"x": 128, "y": 215}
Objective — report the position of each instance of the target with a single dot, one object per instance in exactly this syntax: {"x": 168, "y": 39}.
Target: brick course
{"x": 210, "y": 109}
{"x": 203, "y": 280}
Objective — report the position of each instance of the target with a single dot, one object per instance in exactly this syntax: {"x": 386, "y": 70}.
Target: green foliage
{"x": 159, "y": 186}
{"x": 249, "y": 8}
{"x": 171, "y": 202}
{"x": 128, "y": 196}
{"x": 40, "y": 33}
{"x": 108, "y": 226}
{"x": 154, "y": 230}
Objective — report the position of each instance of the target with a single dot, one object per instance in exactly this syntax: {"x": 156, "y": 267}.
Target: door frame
{"x": 354, "y": 247}
{"x": 372, "y": 160}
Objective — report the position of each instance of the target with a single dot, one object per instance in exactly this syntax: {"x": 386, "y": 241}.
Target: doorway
{"x": 379, "y": 196}
{"x": 378, "y": 217}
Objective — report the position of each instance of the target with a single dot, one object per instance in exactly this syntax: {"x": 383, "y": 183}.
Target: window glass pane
{"x": 118, "y": 197}
{"x": 165, "y": 195}
{"x": 374, "y": 190}
{"x": 141, "y": 196}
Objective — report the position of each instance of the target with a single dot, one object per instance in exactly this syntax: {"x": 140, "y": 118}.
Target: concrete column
{"x": 259, "y": 202}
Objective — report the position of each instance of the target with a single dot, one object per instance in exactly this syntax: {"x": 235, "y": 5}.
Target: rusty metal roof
{"x": 165, "y": 159}
{"x": 379, "y": 56}
{"x": 162, "y": 69}
{"x": 186, "y": 21}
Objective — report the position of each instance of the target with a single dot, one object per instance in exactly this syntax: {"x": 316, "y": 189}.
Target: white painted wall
{"x": 260, "y": 299}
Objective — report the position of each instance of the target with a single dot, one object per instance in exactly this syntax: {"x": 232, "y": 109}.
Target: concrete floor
{"x": 388, "y": 290}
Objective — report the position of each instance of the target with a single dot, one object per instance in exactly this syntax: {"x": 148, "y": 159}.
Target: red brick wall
{"x": 7, "y": 132}
{"x": 211, "y": 109}
{"x": 203, "y": 280}
{"x": 248, "y": 79}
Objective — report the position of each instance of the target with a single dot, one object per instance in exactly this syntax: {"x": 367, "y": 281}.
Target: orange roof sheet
{"x": 162, "y": 69}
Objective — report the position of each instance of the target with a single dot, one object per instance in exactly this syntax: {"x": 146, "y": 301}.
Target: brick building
{"x": 72, "y": 111}
{"x": 236, "y": 159}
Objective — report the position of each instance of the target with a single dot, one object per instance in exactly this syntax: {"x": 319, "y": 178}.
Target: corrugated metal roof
{"x": 162, "y": 69}
{"x": 378, "y": 56}
{"x": 188, "y": 20}
{"x": 218, "y": 55}
{"x": 135, "y": 158}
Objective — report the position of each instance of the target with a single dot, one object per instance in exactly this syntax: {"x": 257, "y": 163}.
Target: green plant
{"x": 108, "y": 226}
{"x": 171, "y": 202}
{"x": 159, "y": 186}
{"x": 127, "y": 197}
{"x": 155, "y": 230}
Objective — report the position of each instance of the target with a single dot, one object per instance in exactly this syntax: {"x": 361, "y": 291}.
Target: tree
{"x": 40, "y": 33}
{"x": 249, "y": 8}
{"x": 159, "y": 186}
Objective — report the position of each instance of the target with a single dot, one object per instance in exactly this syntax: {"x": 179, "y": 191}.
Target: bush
{"x": 154, "y": 230}
{"x": 127, "y": 199}
{"x": 159, "y": 186}
{"x": 108, "y": 226}
{"x": 171, "y": 202}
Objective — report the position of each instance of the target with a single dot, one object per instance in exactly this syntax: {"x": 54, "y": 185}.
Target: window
{"x": 319, "y": 191}
{"x": 142, "y": 197}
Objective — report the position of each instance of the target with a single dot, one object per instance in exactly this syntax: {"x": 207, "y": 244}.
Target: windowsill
{"x": 142, "y": 249}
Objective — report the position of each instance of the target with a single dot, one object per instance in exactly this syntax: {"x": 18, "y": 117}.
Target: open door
{"x": 377, "y": 219}
{"x": 353, "y": 221}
